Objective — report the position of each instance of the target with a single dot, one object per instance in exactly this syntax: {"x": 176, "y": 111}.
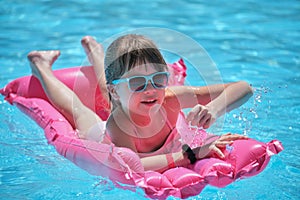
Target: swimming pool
{"x": 250, "y": 40}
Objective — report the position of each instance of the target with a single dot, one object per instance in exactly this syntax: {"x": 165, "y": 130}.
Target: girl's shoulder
{"x": 171, "y": 99}
{"x": 171, "y": 106}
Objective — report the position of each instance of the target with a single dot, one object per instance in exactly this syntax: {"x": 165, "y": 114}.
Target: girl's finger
{"x": 236, "y": 137}
{"x": 223, "y": 143}
{"x": 233, "y": 137}
{"x": 192, "y": 114}
{"x": 207, "y": 121}
{"x": 202, "y": 117}
{"x": 218, "y": 152}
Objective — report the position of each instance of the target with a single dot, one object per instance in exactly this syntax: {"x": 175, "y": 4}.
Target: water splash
{"x": 260, "y": 107}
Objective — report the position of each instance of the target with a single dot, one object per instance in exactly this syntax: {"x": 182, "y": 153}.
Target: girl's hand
{"x": 201, "y": 116}
{"x": 216, "y": 146}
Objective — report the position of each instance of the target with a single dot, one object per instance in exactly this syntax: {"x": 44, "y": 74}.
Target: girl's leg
{"x": 95, "y": 53}
{"x": 63, "y": 98}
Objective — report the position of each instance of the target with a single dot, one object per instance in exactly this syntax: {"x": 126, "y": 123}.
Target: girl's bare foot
{"x": 41, "y": 61}
{"x": 93, "y": 50}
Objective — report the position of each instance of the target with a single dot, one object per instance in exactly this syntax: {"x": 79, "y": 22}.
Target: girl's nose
{"x": 149, "y": 87}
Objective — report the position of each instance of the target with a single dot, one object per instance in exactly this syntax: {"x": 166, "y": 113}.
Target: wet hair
{"x": 129, "y": 51}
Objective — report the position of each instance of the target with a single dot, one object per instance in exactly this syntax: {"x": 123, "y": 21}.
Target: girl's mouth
{"x": 149, "y": 102}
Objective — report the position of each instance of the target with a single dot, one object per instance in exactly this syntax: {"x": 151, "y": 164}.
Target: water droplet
{"x": 229, "y": 148}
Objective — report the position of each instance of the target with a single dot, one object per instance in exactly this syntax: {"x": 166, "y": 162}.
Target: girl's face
{"x": 144, "y": 102}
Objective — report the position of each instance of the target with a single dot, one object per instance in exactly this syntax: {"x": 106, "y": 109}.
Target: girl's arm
{"x": 210, "y": 102}
{"x": 233, "y": 96}
{"x": 189, "y": 96}
{"x": 163, "y": 162}
{"x": 213, "y": 146}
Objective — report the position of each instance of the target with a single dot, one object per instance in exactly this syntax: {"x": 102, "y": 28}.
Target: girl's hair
{"x": 129, "y": 51}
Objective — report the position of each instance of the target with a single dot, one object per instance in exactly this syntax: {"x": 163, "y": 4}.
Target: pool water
{"x": 252, "y": 40}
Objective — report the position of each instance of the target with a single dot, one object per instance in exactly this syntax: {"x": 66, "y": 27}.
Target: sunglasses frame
{"x": 148, "y": 78}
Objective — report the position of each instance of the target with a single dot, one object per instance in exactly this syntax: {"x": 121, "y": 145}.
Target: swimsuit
{"x": 172, "y": 143}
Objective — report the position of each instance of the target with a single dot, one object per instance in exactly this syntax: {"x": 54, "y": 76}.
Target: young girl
{"x": 145, "y": 110}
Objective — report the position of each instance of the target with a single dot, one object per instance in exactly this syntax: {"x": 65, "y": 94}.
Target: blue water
{"x": 252, "y": 40}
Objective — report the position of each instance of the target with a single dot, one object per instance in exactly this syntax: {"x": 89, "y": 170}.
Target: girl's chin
{"x": 150, "y": 108}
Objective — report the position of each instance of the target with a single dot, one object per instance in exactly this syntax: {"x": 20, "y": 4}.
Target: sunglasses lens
{"x": 137, "y": 83}
{"x": 160, "y": 80}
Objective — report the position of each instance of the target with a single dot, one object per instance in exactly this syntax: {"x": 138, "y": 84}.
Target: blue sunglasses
{"x": 158, "y": 80}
